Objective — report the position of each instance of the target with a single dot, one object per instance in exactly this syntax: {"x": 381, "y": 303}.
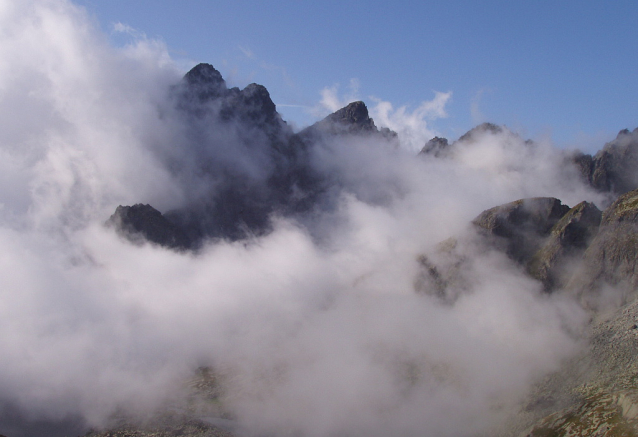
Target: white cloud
{"x": 331, "y": 101}
{"x": 412, "y": 126}
{"x": 247, "y": 52}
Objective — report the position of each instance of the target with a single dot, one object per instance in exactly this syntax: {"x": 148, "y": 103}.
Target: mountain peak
{"x": 437, "y": 147}
{"x": 354, "y": 113}
{"x": 204, "y": 74}
{"x": 480, "y": 129}
{"x": 205, "y": 82}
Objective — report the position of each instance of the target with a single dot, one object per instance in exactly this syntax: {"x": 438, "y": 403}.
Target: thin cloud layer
{"x": 315, "y": 328}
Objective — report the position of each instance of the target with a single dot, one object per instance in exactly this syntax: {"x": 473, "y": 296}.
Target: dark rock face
{"x": 350, "y": 120}
{"x": 519, "y": 227}
{"x": 567, "y": 241}
{"x": 145, "y": 223}
{"x": 237, "y": 142}
{"x": 615, "y": 167}
{"x": 205, "y": 83}
{"x": 612, "y": 256}
{"x": 353, "y": 118}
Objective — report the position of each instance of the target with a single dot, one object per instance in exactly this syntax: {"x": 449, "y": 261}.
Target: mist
{"x": 315, "y": 327}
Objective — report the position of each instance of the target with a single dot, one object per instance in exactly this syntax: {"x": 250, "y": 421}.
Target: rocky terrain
{"x": 578, "y": 250}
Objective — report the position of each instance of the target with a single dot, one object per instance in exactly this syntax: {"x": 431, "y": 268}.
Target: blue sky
{"x": 565, "y": 70}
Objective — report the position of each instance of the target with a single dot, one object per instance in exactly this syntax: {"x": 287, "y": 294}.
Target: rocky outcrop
{"x": 437, "y": 147}
{"x": 520, "y": 227}
{"x": 565, "y": 245}
{"x": 353, "y": 119}
{"x": 612, "y": 257}
{"x": 613, "y": 168}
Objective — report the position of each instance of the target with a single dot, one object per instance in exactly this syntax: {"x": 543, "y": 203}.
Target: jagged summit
{"x": 352, "y": 119}
{"x": 613, "y": 168}
{"x": 205, "y": 82}
{"x": 354, "y": 114}
{"x": 204, "y": 74}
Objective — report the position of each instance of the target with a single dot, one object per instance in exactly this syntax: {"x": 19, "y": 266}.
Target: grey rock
{"x": 519, "y": 228}
{"x": 205, "y": 83}
{"x": 612, "y": 257}
{"x": 352, "y": 119}
{"x": 615, "y": 167}
{"x": 144, "y": 223}
{"x": 437, "y": 147}
{"x": 566, "y": 243}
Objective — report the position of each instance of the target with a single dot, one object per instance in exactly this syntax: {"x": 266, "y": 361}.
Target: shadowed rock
{"x": 566, "y": 242}
{"x": 352, "y": 119}
{"x": 145, "y": 223}
{"x": 205, "y": 82}
{"x": 520, "y": 227}
{"x": 615, "y": 167}
{"x": 436, "y": 147}
{"x": 612, "y": 256}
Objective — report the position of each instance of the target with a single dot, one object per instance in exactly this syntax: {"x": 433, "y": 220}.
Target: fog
{"x": 314, "y": 327}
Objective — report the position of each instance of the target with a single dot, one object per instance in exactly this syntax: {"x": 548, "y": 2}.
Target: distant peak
{"x": 355, "y": 112}
{"x": 437, "y": 146}
{"x": 355, "y": 115}
{"x": 204, "y": 74}
{"x": 482, "y": 128}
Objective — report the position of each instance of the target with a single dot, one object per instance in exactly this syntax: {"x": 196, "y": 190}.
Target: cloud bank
{"x": 315, "y": 327}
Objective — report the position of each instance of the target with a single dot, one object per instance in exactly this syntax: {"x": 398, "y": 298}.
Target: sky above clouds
{"x": 558, "y": 70}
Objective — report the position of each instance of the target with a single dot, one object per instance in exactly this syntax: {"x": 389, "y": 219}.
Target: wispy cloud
{"x": 247, "y": 52}
{"x": 411, "y": 125}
